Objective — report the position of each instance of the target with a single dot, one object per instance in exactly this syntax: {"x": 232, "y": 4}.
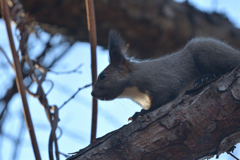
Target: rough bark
{"x": 151, "y": 27}
{"x": 194, "y": 126}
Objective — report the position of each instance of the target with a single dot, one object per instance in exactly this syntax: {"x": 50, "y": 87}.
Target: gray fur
{"x": 165, "y": 78}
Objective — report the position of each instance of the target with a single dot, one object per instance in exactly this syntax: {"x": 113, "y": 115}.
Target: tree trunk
{"x": 199, "y": 124}
{"x": 152, "y": 28}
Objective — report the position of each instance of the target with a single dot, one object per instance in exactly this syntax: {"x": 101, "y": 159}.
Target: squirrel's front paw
{"x": 134, "y": 117}
{"x": 138, "y": 114}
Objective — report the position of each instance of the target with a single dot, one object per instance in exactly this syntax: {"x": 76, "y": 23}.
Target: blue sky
{"x": 76, "y": 115}
{"x": 230, "y": 8}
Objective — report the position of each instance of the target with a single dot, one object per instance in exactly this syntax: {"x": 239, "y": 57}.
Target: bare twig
{"x": 61, "y": 55}
{"x": 93, "y": 42}
{"x": 60, "y": 135}
{"x": 52, "y": 137}
{"x": 65, "y": 155}
{"x": 52, "y": 84}
{"x": 37, "y": 78}
{"x": 4, "y": 109}
{"x": 79, "y": 89}
{"x": 231, "y": 150}
{"x": 52, "y": 118}
{"x": 67, "y": 72}
{"x": 19, "y": 80}
{"x": 19, "y": 138}
{"x": 233, "y": 156}
{"x": 48, "y": 46}
{"x": 4, "y": 53}
{"x": 6, "y": 99}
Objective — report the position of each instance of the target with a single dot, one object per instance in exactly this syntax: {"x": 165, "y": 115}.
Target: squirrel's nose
{"x": 93, "y": 94}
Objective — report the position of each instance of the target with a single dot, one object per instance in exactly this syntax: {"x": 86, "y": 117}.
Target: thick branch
{"x": 191, "y": 127}
{"x": 151, "y": 27}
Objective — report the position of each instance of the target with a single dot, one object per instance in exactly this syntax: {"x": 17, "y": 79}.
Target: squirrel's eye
{"x": 102, "y": 75}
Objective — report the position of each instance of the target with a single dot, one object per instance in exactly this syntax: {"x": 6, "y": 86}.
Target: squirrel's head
{"x": 116, "y": 76}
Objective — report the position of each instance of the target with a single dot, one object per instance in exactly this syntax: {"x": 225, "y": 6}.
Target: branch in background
{"x": 4, "y": 53}
{"x": 44, "y": 52}
{"x": 23, "y": 23}
{"x": 52, "y": 117}
{"x": 19, "y": 138}
{"x": 67, "y": 72}
{"x": 79, "y": 89}
{"x": 6, "y": 99}
{"x": 52, "y": 137}
{"x": 19, "y": 79}
{"x": 4, "y": 109}
{"x": 60, "y": 56}
{"x": 65, "y": 155}
{"x": 93, "y": 42}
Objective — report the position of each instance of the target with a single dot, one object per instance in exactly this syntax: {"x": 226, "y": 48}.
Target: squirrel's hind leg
{"x": 204, "y": 79}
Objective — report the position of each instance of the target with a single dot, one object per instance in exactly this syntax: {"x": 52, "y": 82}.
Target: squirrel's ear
{"x": 117, "y": 49}
{"x": 119, "y": 61}
{"x": 116, "y": 57}
{"x": 116, "y": 46}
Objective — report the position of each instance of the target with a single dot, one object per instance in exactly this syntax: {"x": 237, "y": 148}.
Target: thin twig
{"x": 79, "y": 89}
{"x": 52, "y": 137}
{"x": 39, "y": 79}
{"x": 52, "y": 84}
{"x": 93, "y": 42}
{"x": 65, "y": 155}
{"x": 52, "y": 118}
{"x": 231, "y": 150}
{"x": 233, "y": 156}
{"x": 67, "y": 72}
{"x": 60, "y": 135}
{"x": 8, "y": 96}
{"x": 61, "y": 55}
{"x": 19, "y": 80}
{"x": 19, "y": 138}
{"x": 4, "y": 109}
{"x": 4, "y": 53}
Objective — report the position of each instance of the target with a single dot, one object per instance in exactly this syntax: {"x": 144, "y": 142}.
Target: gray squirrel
{"x": 153, "y": 83}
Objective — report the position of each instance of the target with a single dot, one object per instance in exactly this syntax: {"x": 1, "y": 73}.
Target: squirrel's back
{"x": 213, "y": 56}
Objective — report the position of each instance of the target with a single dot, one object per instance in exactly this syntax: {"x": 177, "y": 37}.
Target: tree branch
{"x": 153, "y": 27}
{"x": 93, "y": 43}
{"x": 193, "y": 126}
{"x": 79, "y": 89}
{"x": 19, "y": 79}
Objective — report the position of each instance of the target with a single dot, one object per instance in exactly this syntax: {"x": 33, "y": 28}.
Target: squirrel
{"x": 153, "y": 83}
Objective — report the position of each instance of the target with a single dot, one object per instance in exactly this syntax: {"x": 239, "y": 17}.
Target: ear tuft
{"x": 115, "y": 41}
{"x": 116, "y": 45}
{"x": 117, "y": 50}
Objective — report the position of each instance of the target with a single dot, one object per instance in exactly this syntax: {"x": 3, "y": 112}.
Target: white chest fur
{"x": 143, "y": 99}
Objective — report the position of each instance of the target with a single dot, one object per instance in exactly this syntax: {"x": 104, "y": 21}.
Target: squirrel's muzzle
{"x": 93, "y": 94}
